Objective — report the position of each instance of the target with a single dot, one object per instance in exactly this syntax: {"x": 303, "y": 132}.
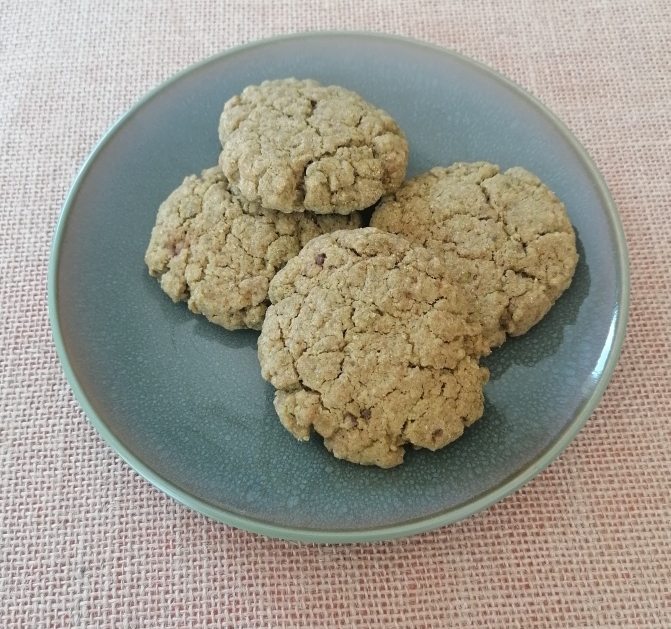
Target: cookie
{"x": 368, "y": 342}
{"x": 297, "y": 145}
{"x": 218, "y": 252}
{"x": 505, "y": 236}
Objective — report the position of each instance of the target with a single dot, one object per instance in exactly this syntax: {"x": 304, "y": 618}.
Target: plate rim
{"x": 384, "y": 532}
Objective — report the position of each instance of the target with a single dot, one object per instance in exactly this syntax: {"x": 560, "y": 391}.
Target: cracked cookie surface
{"x": 218, "y": 252}
{"x": 368, "y": 342}
{"x": 297, "y": 145}
{"x": 505, "y": 237}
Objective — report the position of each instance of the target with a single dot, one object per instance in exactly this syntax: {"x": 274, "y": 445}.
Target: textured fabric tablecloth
{"x": 86, "y": 542}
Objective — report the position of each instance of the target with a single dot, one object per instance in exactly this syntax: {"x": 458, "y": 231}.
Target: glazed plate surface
{"x": 183, "y": 401}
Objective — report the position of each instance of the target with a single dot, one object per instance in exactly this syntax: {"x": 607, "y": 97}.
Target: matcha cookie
{"x": 369, "y": 343}
{"x": 218, "y": 252}
{"x": 505, "y": 237}
{"x": 297, "y": 145}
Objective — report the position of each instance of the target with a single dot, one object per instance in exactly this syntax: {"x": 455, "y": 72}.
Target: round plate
{"x": 183, "y": 401}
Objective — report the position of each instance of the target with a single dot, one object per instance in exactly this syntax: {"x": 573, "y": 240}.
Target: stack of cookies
{"x": 370, "y": 335}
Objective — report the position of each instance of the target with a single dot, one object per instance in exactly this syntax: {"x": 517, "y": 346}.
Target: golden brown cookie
{"x": 297, "y": 145}
{"x": 369, "y": 342}
{"x": 218, "y": 252}
{"x": 505, "y": 237}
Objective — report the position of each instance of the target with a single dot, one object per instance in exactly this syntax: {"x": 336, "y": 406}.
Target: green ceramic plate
{"x": 183, "y": 402}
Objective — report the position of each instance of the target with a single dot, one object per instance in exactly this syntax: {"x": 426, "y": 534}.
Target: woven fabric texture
{"x": 86, "y": 542}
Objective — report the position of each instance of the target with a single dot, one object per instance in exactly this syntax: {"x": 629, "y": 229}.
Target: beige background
{"x": 88, "y": 543}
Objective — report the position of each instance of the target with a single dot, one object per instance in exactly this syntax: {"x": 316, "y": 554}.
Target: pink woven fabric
{"x": 86, "y": 542}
